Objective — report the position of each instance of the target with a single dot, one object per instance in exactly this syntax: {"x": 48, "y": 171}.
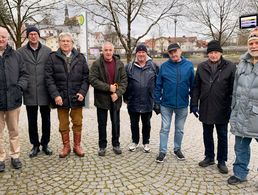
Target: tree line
{"x": 215, "y": 19}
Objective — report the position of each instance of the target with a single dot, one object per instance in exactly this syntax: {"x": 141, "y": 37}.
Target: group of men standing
{"x": 61, "y": 79}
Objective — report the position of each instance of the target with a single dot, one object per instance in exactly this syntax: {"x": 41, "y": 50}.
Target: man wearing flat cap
{"x": 173, "y": 84}
{"x": 36, "y": 97}
{"x": 141, "y": 74}
{"x": 244, "y": 116}
{"x": 210, "y": 101}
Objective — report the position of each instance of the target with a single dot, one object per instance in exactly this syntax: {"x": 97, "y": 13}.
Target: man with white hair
{"x": 13, "y": 80}
{"x": 244, "y": 115}
{"x": 66, "y": 74}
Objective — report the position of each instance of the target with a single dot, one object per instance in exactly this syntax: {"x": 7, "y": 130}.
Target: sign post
{"x": 83, "y": 41}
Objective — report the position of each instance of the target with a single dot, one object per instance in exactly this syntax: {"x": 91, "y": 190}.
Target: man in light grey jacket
{"x": 36, "y": 96}
{"x": 244, "y": 116}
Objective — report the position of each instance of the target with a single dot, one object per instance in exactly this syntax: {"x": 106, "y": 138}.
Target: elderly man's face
{"x": 253, "y": 47}
{"x": 175, "y": 55}
{"x": 66, "y": 44}
{"x": 214, "y": 56}
{"x": 108, "y": 52}
{"x": 3, "y": 38}
{"x": 141, "y": 56}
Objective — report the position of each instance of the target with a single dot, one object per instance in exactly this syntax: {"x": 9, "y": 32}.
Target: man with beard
{"x": 244, "y": 116}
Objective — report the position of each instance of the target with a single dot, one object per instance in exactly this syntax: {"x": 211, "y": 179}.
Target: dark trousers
{"x": 222, "y": 134}
{"x": 32, "y": 113}
{"x": 102, "y": 126}
{"x": 146, "y": 126}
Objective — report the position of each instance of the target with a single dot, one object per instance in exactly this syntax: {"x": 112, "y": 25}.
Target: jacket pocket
{"x": 253, "y": 121}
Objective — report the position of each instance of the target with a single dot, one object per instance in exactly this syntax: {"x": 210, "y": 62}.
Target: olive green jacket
{"x": 99, "y": 80}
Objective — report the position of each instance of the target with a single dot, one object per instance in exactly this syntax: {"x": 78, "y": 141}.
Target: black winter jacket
{"x": 13, "y": 79}
{"x": 213, "y": 95}
{"x": 61, "y": 83}
{"x": 140, "y": 90}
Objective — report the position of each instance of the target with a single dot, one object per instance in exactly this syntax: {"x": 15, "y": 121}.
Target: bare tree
{"x": 253, "y": 5}
{"x": 4, "y": 13}
{"x": 127, "y": 15}
{"x": 216, "y": 19}
{"x": 21, "y": 11}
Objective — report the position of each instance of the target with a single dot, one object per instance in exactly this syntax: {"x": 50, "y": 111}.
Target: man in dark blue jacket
{"x": 172, "y": 90}
{"x": 141, "y": 75}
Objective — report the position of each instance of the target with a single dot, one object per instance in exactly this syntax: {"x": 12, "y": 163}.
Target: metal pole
{"x": 175, "y": 20}
{"x": 87, "y": 97}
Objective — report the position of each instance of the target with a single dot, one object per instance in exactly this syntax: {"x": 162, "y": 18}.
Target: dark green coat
{"x": 98, "y": 79}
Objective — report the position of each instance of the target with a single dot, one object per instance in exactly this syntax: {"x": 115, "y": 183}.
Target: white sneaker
{"x": 146, "y": 148}
{"x": 133, "y": 147}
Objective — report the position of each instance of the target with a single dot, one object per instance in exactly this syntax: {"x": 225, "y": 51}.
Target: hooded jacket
{"x": 141, "y": 83}
{"x": 244, "y": 115}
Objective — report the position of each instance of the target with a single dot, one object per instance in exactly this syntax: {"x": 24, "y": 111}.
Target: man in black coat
{"x": 211, "y": 99}
{"x": 13, "y": 80}
{"x": 67, "y": 83}
{"x": 36, "y": 96}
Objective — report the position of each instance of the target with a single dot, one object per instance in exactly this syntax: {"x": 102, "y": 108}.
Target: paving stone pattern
{"x": 129, "y": 173}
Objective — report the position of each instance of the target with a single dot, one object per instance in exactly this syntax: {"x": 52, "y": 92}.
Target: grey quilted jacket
{"x": 244, "y": 115}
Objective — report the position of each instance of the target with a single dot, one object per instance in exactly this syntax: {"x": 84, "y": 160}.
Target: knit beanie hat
{"x": 31, "y": 29}
{"x": 253, "y": 34}
{"x": 214, "y": 45}
{"x": 141, "y": 48}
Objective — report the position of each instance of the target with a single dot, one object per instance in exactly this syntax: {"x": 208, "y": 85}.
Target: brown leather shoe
{"x": 66, "y": 142}
{"x": 77, "y": 149}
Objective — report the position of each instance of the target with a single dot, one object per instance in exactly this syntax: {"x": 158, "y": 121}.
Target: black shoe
{"x": 117, "y": 150}
{"x": 16, "y": 163}
{"x": 233, "y": 180}
{"x": 179, "y": 155}
{"x": 222, "y": 168}
{"x": 206, "y": 162}
{"x": 2, "y": 166}
{"x": 47, "y": 150}
{"x": 102, "y": 152}
{"x": 161, "y": 157}
{"x": 34, "y": 151}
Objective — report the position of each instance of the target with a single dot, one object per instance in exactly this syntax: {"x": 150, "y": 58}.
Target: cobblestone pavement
{"x": 129, "y": 173}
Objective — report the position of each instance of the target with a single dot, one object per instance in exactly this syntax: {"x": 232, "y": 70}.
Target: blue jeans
{"x": 242, "y": 151}
{"x": 222, "y": 134}
{"x": 166, "y": 117}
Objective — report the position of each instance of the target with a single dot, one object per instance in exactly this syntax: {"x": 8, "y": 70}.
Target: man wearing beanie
{"x": 211, "y": 100}
{"x": 171, "y": 96}
{"x": 244, "y": 116}
{"x": 36, "y": 96}
{"x": 141, "y": 74}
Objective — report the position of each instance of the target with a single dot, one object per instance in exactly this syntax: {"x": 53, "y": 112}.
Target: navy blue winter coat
{"x": 141, "y": 83}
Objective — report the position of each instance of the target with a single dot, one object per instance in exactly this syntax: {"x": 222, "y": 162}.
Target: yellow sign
{"x": 81, "y": 19}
